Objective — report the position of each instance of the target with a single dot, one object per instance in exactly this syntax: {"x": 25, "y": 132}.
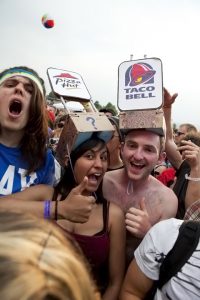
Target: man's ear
{"x": 162, "y": 157}
{"x": 121, "y": 148}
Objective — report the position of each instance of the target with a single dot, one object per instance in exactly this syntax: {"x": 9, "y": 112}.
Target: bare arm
{"x": 170, "y": 147}
{"x": 169, "y": 203}
{"x": 39, "y": 192}
{"x": 191, "y": 153}
{"x": 76, "y": 207}
{"x": 136, "y": 284}
{"x": 30, "y": 200}
{"x": 117, "y": 253}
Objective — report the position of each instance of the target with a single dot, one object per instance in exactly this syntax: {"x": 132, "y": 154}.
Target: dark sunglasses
{"x": 178, "y": 133}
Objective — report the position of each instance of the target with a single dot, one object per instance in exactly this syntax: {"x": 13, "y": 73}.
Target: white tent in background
{"x": 71, "y": 105}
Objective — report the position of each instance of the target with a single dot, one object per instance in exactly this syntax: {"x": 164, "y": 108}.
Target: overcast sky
{"x": 93, "y": 37}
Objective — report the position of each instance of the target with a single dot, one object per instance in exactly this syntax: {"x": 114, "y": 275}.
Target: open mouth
{"x": 94, "y": 177}
{"x": 137, "y": 166}
{"x": 15, "y": 107}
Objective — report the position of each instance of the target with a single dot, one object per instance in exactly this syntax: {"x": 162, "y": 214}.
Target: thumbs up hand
{"x": 76, "y": 207}
{"x": 137, "y": 220}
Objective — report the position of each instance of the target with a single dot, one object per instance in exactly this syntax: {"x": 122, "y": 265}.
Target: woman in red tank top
{"x": 102, "y": 237}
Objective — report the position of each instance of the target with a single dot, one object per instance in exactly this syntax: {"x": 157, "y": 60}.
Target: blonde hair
{"x": 38, "y": 262}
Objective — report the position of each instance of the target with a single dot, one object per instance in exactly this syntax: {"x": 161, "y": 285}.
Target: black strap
{"x": 184, "y": 246}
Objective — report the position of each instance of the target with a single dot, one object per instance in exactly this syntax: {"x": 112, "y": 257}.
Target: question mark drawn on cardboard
{"x": 92, "y": 121}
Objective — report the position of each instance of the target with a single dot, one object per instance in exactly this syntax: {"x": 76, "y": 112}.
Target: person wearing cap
{"x": 24, "y": 159}
{"x": 102, "y": 235}
{"x": 143, "y": 198}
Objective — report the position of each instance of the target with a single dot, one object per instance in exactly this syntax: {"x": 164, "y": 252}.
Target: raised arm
{"x": 170, "y": 147}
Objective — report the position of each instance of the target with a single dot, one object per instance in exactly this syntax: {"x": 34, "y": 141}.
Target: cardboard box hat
{"x": 78, "y": 128}
{"x": 150, "y": 120}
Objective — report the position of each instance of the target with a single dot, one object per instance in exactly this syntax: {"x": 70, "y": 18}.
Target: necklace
{"x": 129, "y": 189}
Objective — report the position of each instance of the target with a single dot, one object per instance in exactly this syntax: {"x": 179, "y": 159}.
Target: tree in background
{"x": 97, "y": 105}
{"x": 51, "y": 97}
{"x": 109, "y": 105}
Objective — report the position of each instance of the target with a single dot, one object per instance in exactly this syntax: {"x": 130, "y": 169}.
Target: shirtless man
{"x": 143, "y": 198}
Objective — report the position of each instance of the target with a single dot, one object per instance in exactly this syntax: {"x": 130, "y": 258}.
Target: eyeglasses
{"x": 178, "y": 133}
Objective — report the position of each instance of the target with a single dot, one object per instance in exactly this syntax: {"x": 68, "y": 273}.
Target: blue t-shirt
{"x": 13, "y": 169}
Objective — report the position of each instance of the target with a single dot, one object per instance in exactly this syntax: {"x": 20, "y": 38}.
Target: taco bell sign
{"x": 140, "y": 84}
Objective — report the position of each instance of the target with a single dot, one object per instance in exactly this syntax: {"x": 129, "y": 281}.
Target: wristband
{"x": 196, "y": 179}
{"x": 56, "y": 209}
{"x": 47, "y": 209}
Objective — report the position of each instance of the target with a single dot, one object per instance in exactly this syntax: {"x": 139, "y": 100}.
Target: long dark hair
{"x": 68, "y": 182}
{"x": 33, "y": 143}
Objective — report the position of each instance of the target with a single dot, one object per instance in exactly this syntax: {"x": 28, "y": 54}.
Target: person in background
{"x": 167, "y": 177}
{"x": 190, "y": 150}
{"x": 38, "y": 262}
{"x": 114, "y": 146}
{"x": 53, "y": 141}
{"x": 24, "y": 158}
{"x": 172, "y": 141}
{"x": 174, "y": 153}
{"x": 165, "y": 173}
{"x": 51, "y": 115}
{"x": 182, "y": 130}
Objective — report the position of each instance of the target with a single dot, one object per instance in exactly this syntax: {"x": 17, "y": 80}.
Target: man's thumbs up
{"x": 143, "y": 205}
{"x": 137, "y": 220}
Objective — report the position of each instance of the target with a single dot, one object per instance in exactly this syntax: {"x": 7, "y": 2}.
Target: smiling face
{"x": 93, "y": 164}
{"x": 15, "y": 97}
{"x": 141, "y": 152}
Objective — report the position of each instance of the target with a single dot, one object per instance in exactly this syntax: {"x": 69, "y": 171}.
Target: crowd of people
{"x": 101, "y": 226}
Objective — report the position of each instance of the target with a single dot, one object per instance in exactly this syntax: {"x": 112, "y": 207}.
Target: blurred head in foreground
{"x": 38, "y": 262}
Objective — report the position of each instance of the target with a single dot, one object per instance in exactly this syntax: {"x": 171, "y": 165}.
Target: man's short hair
{"x": 190, "y": 127}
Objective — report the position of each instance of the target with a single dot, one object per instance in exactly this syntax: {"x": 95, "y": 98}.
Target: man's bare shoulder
{"x": 163, "y": 192}
{"x": 158, "y": 184}
{"x": 113, "y": 176}
{"x": 168, "y": 199}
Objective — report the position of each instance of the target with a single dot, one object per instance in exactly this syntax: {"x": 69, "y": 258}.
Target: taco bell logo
{"x": 139, "y": 74}
{"x": 135, "y": 77}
